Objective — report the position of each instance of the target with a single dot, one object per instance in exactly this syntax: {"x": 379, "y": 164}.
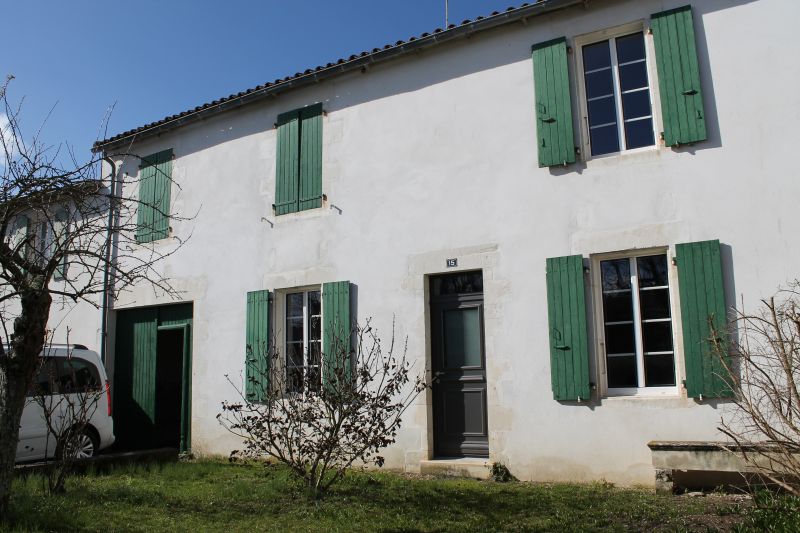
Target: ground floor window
{"x": 637, "y": 323}
{"x": 303, "y": 340}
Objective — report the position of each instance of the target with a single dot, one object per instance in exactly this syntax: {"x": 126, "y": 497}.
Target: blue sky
{"x": 74, "y": 59}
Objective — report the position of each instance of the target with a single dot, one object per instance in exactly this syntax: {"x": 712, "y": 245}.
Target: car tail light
{"x": 108, "y": 397}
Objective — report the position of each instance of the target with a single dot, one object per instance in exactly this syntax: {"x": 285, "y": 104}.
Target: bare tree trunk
{"x": 17, "y": 368}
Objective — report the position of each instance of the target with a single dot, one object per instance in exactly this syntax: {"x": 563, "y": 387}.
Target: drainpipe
{"x": 107, "y": 266}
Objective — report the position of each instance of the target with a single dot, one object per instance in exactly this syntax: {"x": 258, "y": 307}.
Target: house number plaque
{"x": 452, "y": 263}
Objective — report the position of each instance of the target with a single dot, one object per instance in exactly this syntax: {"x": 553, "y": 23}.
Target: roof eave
{"x": 316, "y": 76}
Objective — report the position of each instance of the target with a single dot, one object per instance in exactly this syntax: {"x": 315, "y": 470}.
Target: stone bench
{"x": 671, "y": 458}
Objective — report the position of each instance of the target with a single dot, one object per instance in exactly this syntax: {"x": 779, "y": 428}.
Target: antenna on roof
{"x": 446, "y": 14}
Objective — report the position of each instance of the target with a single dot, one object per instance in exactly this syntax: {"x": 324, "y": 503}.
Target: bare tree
{"x": 765, "y": 375}
{"x": 60, "y": 219}
{"x": 321, "y": 419}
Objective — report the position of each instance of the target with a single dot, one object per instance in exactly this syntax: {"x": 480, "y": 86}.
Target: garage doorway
{"x": 151, "y": 387}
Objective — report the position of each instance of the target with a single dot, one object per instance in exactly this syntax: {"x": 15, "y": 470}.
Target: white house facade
{"x": 549, "y": 202}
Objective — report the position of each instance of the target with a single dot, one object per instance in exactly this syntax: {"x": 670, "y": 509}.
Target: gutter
{"x": 107, "y": 265}
{"x": 361, "y": 62}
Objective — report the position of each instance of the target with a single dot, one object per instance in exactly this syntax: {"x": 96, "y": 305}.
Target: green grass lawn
{"x": 218, "y": 496}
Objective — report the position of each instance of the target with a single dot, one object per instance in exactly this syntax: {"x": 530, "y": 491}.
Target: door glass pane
{"x": 462, "y": 337}
{"x": 461, "y": 283}
{"x": 596, "y": 56}
{"x": 639, "y": 133}
{"x": 654, "y": 303}
{"x": 652, "y": 271}
{"x": 633, "y": 76}
{"x": 616, "y": 274}
{"x": 657, "y": 336}
{"x": 599, "y": 83}
{"x": 620, "y": 338}
{"x": 636, "y": 104}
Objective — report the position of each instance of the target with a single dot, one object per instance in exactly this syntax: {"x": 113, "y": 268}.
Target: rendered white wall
{"x": 434, "y": 156}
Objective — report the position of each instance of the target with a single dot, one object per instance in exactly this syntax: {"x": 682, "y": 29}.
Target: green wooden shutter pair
{"x": 678, "y": 81}
{"x": 155, "y": 184}
{"x": 337, "y": 328}
{"x": 257, "y": 348}
{"x": 702, "y": 299}
{"x": 298, "y": 176}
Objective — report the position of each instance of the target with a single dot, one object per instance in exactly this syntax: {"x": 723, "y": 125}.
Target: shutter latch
{"x": 690, "y": 92}
{"x": 548, "y": 120}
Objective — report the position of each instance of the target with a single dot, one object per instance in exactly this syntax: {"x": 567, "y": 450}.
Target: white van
{"x": 73, "y": 386}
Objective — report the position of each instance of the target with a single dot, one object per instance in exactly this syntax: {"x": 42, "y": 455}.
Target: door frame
{"x": 186, "y": 385}
{"x": 433, "y": 306}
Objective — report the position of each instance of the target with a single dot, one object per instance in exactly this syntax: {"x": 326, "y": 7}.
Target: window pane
{"x": 314, "y": 380}
{"x": 294, "y": 329}
{"x": 657, "y": 336}
{"x": 602, "y": 111}
{"x": 654, "y": 304}
{"x": 294, "y": 304}
{"x": 294, "y": 354}
{"x": 294, "y": 379}
{"x": 620, "y": 339}
{"x": 639, "y": 133}
{"x": 633, "y": 76}
{"x": 604, "y": 140}
{"x": 636, "y": 104}
{"x": 599, "y": 83}
{"x": 597, "y": 55}
{"x": 630, "y": 47}
{"x": 616, "y": 274}
{"x": 621, "y": 372}
{"x": 659, "y": 370}
{"x": 617, "y": 306}
{"x": 462, "y": 337}
{"x": 314, "y": 354}
{"x": 315, "y": 329}
{"x": 652, "y": 271}
{"x": 314, "y": 303}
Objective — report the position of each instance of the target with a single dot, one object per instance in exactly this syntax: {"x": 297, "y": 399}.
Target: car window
{"x": 46, "y": 380}
{"x": 77, "y": 375}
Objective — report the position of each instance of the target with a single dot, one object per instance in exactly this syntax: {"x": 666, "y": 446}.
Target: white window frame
{"x": 281, "y": 317}
{"x": 599, "y": 325}
{"x": 652, "y": 77}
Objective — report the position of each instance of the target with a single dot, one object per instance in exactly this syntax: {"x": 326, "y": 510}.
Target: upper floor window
{"x": 298, "y": 174}
{"x": 155, "y": 185}
{"x": 619, "y": 111}
{"x": 616, "y": 72}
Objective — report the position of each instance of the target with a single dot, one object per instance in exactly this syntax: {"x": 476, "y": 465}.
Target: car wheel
{"x": 80, "y": 445}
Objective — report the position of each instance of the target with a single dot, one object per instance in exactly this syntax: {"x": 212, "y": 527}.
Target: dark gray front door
{"x": 459, "y": 365}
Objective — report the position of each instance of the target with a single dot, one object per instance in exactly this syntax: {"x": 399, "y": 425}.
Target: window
{"x": 616, "y": 88}
{"x": 303, "y": 340}
{"x": 155, "y": 184}
{"x": 298, "y": 174}
{"x": 637, "y": 323}
{"x": 635, "y": 304}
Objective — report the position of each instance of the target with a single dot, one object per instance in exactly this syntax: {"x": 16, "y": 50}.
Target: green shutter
{"x": 310, "y": 157}
{"x": 135, "y": 367}
{"x": 556, "y": 140}
{"x": 702, "y": 299}
{"x": 569, "y": 349}
{"x": 679, "y": 77}
{"x": 287, "y": 165}
{"x": 19, "y": 234}
{"x": 336, "y": 329}
{"x": 60, "y": 225}
{"x": 257, "y": 352}
{"x": 155, "y": 184}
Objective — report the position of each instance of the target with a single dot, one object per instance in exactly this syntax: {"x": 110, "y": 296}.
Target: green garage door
{"x": 152, "y": 383}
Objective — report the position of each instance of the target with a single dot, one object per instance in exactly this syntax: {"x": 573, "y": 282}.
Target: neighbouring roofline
{"x": 359, "y": 61}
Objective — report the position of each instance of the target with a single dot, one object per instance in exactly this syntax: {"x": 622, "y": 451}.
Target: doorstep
{"x": 474, "y": 467}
